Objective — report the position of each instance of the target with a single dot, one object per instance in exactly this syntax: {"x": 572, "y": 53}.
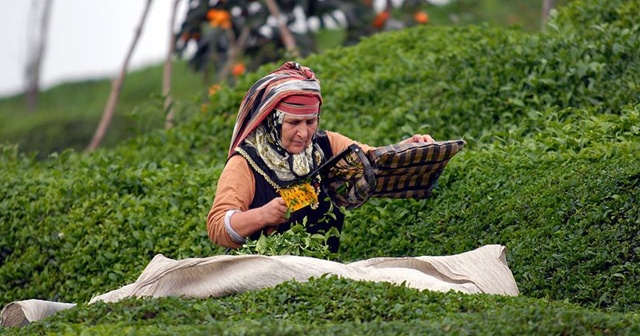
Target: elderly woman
{"x": 275, "y": 141}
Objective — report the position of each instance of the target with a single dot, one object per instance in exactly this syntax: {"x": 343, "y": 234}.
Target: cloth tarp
{"x": 483, "y": 270}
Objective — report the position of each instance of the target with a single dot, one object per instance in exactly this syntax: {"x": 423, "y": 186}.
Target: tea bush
{"x": 552, "y": 123}
{"x": 566, "y": 212}
{"x": 346, "y": 307}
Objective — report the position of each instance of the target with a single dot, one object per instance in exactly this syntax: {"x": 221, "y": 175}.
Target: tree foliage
{"x": 217, "y": 28}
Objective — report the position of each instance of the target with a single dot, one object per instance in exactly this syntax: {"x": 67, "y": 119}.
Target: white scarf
{"x": 279, "y": 164}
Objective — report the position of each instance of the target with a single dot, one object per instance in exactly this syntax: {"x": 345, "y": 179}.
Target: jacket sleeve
{"x": 339, "y": 142}
{"x": 235, "y": 191}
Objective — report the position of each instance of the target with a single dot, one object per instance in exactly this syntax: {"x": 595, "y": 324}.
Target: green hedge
{"x": 551, "y": 171}
{"x": 566, "y": 211}
{"x": 329, "y": 305}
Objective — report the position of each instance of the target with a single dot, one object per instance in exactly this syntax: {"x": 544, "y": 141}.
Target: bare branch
{"x": 36, "y": 51}
{"x": 235, "y": 51}
{"x": 287, "y": 39}
{"x": 166, "y": 77}
{"x": 116, "y": 87}
{"x": 547, "y": 6}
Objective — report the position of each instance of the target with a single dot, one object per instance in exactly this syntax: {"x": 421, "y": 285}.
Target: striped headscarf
{"x": 291, "y": 79}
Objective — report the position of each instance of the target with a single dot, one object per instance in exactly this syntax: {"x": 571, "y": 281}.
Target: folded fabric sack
{"x": 483, "y": 270}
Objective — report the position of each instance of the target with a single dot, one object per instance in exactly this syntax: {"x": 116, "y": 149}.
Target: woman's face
{"x": 297, "y": 132}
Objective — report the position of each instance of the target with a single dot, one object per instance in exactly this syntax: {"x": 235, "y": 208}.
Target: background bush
{"x": 550, "y": 171}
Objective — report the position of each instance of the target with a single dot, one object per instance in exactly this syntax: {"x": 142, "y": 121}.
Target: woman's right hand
{"x": 275, "y": 212}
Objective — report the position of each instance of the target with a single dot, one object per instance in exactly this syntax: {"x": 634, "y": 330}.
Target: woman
{"x": 276, "y": 141}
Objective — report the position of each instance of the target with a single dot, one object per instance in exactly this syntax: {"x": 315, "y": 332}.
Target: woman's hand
{"x": 266, "y": 217}
{"x": 275, "y": 212}
{"x": 425, "y": 138}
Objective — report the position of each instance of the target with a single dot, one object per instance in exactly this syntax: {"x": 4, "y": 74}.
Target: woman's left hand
{"x": 425, "y": 138}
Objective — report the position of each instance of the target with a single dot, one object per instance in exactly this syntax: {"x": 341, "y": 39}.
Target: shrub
{"x": 551, "y": 171}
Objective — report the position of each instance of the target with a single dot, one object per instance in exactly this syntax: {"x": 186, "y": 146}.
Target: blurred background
{"x": 61, "y": 59}
{"x": 85, "y": 39}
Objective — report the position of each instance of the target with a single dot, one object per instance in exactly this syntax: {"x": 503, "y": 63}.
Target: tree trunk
{"x": 166, "y": 77}
{"x": 116, "y": 87}
{"x": 36, "y": 50}
{"x": 287, "y": 39}
{"x": 236, "y": 49}
{"x": 547, "y": 6}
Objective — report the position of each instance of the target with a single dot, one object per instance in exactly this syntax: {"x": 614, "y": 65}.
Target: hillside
{"x": 68, "y": 114}
{"x": 550, "y": 171}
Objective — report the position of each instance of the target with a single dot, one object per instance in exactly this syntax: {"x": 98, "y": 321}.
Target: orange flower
{"x": 421, "y": 17}
{"x": 380, "y": 19}
{"x": 219, "y": 18}
{"x": 213, "y": 89}
{"x": 238, "y": 69}
{"x": 186, "y": 36}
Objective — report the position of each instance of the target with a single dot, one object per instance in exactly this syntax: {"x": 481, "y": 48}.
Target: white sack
{"x": 483, "y": 270}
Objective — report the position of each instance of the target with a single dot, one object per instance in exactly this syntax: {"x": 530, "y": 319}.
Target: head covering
{"x": 303, "y": 106}
{"x": 286, "y": 88}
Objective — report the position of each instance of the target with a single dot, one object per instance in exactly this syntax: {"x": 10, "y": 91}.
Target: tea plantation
{"x": 551, "y": 171}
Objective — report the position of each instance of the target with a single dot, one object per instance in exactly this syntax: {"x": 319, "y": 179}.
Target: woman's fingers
{"x": 427, "y": 138}
{"x": 277, "y": 211}
{"x": 420, "y": 138}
